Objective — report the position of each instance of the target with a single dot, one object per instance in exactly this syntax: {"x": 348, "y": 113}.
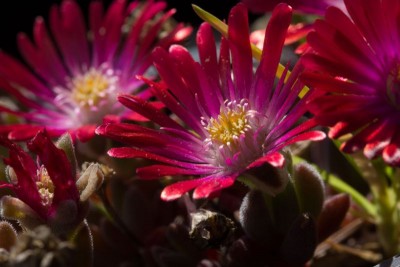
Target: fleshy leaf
{"x": 309, "y": 189}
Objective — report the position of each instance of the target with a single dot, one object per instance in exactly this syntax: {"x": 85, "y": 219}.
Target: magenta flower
{"x": 237, "y": 119}
{"x": 44, "y": 189}
{"x": 355, "y": 66}
{"x": 75, "y": 72}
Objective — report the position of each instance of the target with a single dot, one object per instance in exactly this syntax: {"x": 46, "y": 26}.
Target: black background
{"x": 19, "y": 15}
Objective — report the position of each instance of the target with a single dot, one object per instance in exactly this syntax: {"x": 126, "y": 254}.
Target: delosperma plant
{"x": 121, "y": 145}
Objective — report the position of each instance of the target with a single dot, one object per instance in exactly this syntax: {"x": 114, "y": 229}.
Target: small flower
{"x": 46, "y": 190}
{"x": 355, "y": 67}
{"x": 75, "y": 72}
{"x": 238, "y": 119}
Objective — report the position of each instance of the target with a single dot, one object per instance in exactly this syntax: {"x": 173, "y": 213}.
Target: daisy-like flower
{"x": 356, "y": 68}
{"x": 46, "y": 189}
{"x": 237, "y": 119}
{"x": 74, "y": 73}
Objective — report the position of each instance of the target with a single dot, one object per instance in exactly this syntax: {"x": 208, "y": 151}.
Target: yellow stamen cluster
{"x": 45, "y": 186}
{"x": 89, "y": 89}
{"x": 230, "y": 124}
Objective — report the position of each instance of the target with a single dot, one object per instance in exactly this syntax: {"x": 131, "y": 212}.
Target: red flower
{"x": 237, "y": 119}
{"x": 46, "y": 185}
{"x": 355, "y": 66}
{"x": 76, "y": 72}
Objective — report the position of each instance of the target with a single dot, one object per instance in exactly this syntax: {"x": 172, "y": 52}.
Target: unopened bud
{"x": 11, "y": 176}
{"x": 90, "y": 180}
{"x": 65, "y": 143}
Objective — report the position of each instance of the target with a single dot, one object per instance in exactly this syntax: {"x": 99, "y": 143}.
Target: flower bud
{"x": 11, "y": 176}
{"x": 65, "y": 143}
{"x": 89, "y": 181}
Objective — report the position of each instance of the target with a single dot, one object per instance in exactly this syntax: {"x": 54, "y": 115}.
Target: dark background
{"x": 19, "y": 15}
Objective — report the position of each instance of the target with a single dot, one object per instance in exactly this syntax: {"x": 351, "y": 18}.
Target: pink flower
{"x": 75, "y": 72}
{"x": 238, "y": 120}
{"x": 355, "y": 67}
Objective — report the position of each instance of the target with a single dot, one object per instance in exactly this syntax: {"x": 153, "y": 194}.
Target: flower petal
{"x": 212, "y": 185}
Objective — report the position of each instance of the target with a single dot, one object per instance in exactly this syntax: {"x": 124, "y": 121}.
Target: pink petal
{"x": 275, "y": 35}
{"x": 156, "y": 171}
{"x": 57, "y": 165}
{"x": 391, "y": 155}
{"x": 212, "y": 185}
{"x": 371, "y": 150}
{"x": 275, "y": 159}
{"x": 129, "y": 152}
{"x": 239, "y": 44}
{"x": 207, "y": 51}
{"x": 24, "y": 132}
{"x": 147, "y": 110}
{"x": 176, "y": 190}
{"x": 85, "y": 133}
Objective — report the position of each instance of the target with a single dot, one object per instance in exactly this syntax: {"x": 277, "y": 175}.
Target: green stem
{"x": 387, "y": 222}
{"x": 385, "y": 196}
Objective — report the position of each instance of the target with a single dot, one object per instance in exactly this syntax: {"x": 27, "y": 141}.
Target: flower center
{"x": 90, "y": 88}
{"x": 231, "y": 123}
{"x": 45, "y": 186}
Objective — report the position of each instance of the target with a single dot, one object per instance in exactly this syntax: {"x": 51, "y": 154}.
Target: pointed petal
{"x": 212, "y": 185}
{"x": 156, "y": 171}
{"x": 176, "y": 190}
{"x": 58, "y": 167}
{"x": 276, "y": 159}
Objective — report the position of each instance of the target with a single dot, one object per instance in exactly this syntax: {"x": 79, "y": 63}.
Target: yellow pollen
{"x": 230, "y": 124}
{"x": 45, "y": 187}
{"x": 89, "y": 89}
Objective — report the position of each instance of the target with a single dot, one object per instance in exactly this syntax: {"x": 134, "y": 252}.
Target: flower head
{"x": 75, "y": 72}
{"x": 237, "y": 119}
{"x": 355, "y": 67}
{"x": 46, "y": 189}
